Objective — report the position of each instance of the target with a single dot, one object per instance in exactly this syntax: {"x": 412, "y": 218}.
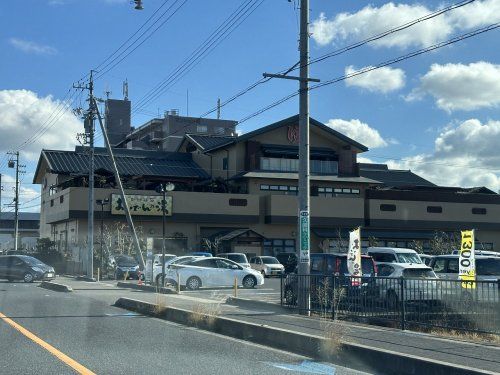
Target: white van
{"x": 393, "y": 255}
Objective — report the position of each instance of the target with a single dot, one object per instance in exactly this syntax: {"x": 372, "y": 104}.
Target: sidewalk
{"x": 480, "y": 356}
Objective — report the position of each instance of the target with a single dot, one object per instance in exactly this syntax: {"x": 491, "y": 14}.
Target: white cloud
{"x": 28, "y": 195}
{"x": 24, "y": 114}
{"x": 461, "y": 87}
{"x": 464, "y": 155}
{"x": 32, "y": 47}
{"x": 384, "y": 80}
{"x": 359, "y": 131}
{"x": 371, "y": 21}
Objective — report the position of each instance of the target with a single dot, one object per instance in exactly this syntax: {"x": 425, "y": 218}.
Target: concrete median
{"x": 353, "y": 355}
{"x": 55, "y": 286}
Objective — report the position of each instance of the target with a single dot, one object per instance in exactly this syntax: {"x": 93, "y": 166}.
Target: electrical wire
{"x": 378, "y": 66}
{"x": 218, "y": 36}
{"x": 112, "y": 64}
{"x": 346, "y": 49}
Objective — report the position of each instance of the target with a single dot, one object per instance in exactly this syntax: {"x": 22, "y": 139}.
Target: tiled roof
{"x": 129, "y": 163}
{"x": 209, "y": 141}
{"x": 392, "y": 177}
{"x": 287, "y": 121}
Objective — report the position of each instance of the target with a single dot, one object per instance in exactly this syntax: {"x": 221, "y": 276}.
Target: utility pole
{"x": 304, "y": 227}
{"x": 1, "y": 189}
{"x": 11, "y": 164}
{"x": 218, "y": 108}
{"x": 89, "y": 133}
{"x": 304, "y": 295}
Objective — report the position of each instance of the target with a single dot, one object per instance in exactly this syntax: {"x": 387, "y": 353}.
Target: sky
{"x": 436, "y": 114}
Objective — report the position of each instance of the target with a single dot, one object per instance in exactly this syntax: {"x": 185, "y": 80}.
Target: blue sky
{"x": 414, "y": 115}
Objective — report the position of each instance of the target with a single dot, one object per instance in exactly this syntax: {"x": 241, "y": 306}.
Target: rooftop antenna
{"x": 107, "y": 92}
{"x": 125, "y": 90}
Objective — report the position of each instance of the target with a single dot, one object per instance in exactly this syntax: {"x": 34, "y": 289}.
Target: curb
{"x": 356, "y": 356}
{"x": 55, "y": 286}
{"x": 85, "y": 278}
{"x": 145, "y": 288}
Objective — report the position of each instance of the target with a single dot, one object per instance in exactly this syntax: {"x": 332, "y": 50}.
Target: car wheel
{"x": 290, "y": 298}
{"x": 28, "y": 277}
{"x": 249, "y": 282}
{"x": 193, "y": 283}
{"x": 392, "y": 299}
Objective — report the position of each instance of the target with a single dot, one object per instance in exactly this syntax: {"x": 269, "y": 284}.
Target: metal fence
{"x": 408, "y": 303}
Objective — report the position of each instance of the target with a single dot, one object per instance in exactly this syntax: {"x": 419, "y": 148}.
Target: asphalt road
{"x": 106, "y": 340}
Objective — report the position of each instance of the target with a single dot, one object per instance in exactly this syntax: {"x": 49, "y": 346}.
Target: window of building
{"x": 61, "y": 199}
{"x": 478, "y": 211}
{"x": 435, "y": 209}
{"x": 276, "y": 246}
{"x": 201, "y": 128}
{"x": 274, "y": 187}
{"x": 346, "y": 191}
{"x": 387, "y": 207}
{"x": 219, "y": 130}
{"x": 224, "y": 164}
{"x": 264, "y": 187}
{"x": 354, "y": 191}
{"x": 237, "y": 202}
{"x": 51, "y": 203}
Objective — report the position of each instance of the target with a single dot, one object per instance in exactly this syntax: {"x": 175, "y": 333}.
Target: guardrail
{"x": 407, "y": 303}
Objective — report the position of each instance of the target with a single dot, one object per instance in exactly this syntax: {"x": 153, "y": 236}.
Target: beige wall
{"x": 345, "y": 207}
{"x": 75, "y": 199}
{"x": 414, "y": 210}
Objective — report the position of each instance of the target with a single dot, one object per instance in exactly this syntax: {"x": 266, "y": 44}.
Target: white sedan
{"x": 213, "y": 272}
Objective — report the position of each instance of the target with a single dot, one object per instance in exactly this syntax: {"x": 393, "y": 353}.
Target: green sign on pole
{"x": 304, "y": 236}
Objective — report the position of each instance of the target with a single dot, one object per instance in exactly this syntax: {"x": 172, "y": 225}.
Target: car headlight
{"x": 136, "y": 268}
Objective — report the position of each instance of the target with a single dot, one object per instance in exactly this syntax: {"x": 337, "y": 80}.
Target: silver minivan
{"x": 393, "y": 255}
{"x": 487, "y": 267}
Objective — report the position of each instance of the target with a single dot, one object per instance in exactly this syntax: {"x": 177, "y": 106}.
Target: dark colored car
{"x": 126, "y": 267}
{"x": 329, "y": 274}
{"x": 288, "y": 260}
{"x": 26, "y": 268}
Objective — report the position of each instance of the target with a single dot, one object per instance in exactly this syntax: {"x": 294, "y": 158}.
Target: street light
{"x": 163, "y": 188}
{"x": 138, "y": 5}
{"x": 102, "y": 203}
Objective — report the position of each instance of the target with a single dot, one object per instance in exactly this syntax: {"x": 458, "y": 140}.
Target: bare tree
{"x": 443, "y": 243}
{"x": 212, "y": 245}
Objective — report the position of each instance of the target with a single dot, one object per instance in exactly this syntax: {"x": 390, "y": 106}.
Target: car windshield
{"x": 488, "y": 267}
{"x": 408, "y": 258}
{"x": 270, "y": 260}
{"x": 125, "y": 261}
{"x": 183, "y": 260}
{"x": 419, "y": 273}
{"x": 238, "y": 258}
{"x": 32, "y": 261}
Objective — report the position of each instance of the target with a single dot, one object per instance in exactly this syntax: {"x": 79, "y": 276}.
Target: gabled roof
{"x": 392, "y": 177}
{"x": 276, "y": 125}
{"x": 206, "y": 142}
{"x": 129, "y": 163}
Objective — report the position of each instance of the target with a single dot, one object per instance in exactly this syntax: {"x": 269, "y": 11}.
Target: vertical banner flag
{"x": 304, "y": 236}
{"x": 354, "y": 256}
{"x": 467, "y": 260}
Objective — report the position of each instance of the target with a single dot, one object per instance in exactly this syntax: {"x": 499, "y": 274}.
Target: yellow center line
{"x": 57, "y": 353}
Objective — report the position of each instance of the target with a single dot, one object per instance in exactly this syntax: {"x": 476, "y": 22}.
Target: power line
{"x": 216, "y": 37}
{"x": 378, "y": 66}
{"x": 109, "y": 66}
{"x": 132, "y": 35}
{"x": 346, "y": 49}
